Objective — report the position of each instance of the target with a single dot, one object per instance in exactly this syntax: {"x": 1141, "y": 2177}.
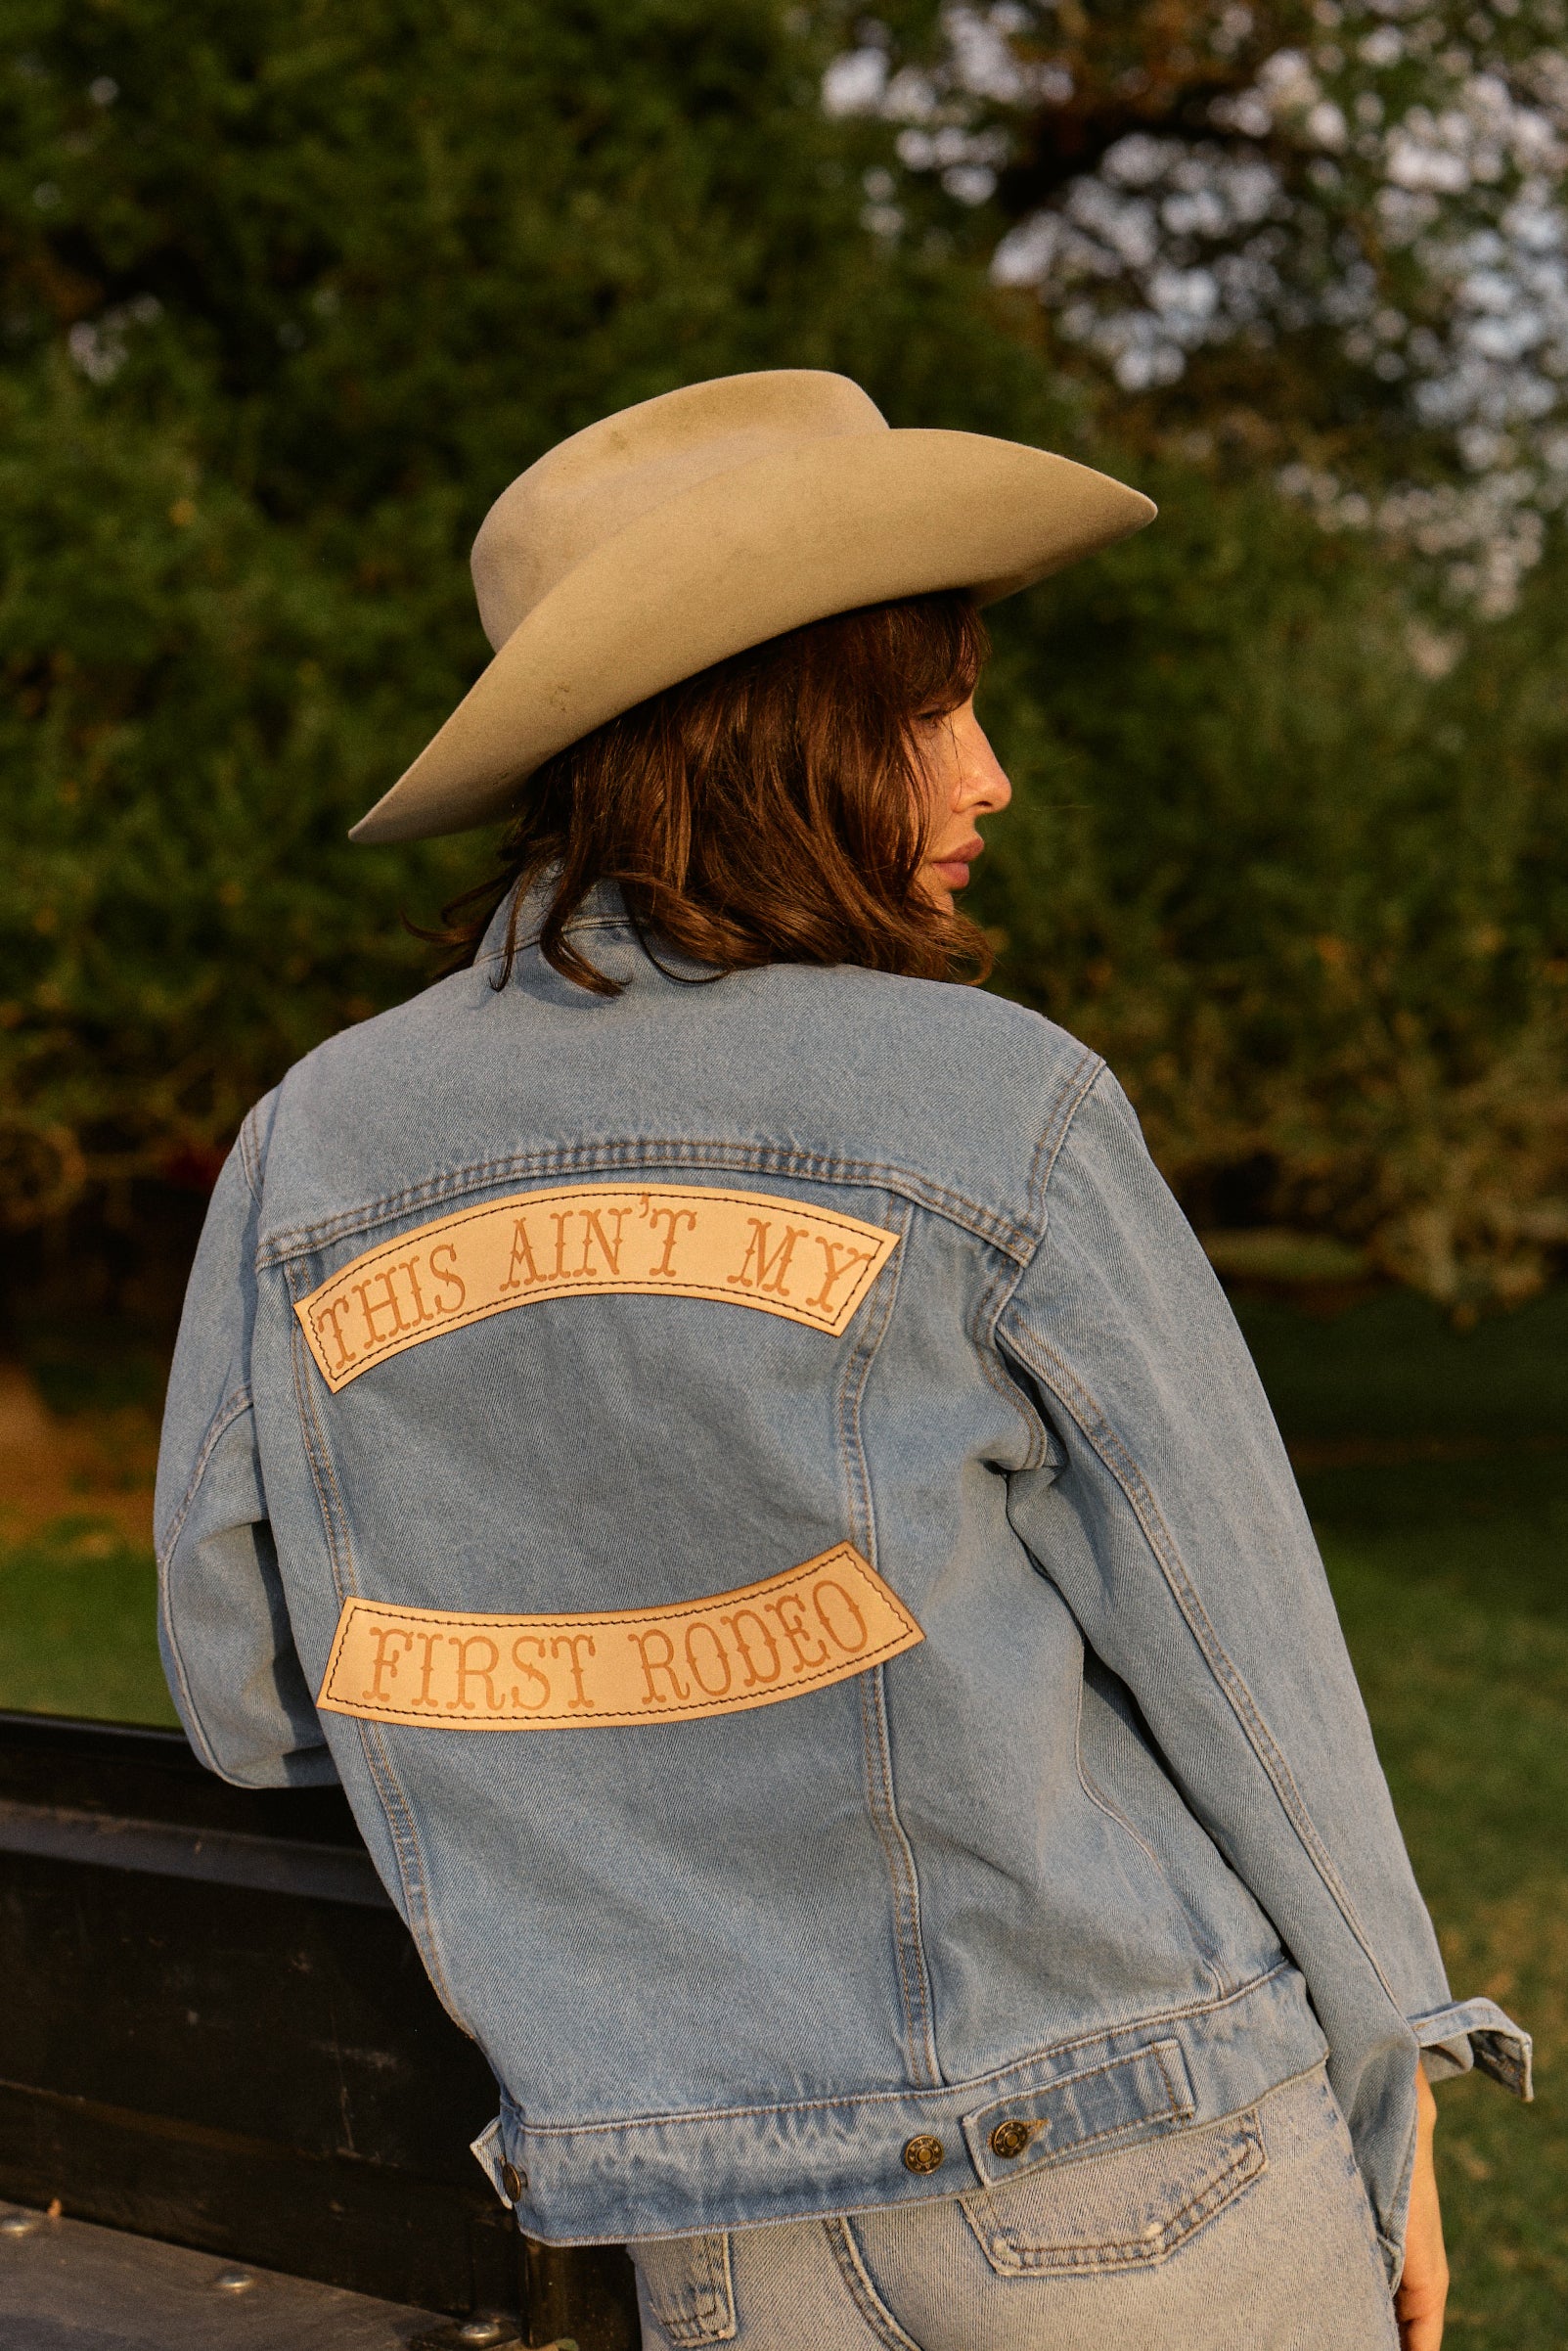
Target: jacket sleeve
{"x": 1176, "y": 1534}
{"x": 223, "y": 1625}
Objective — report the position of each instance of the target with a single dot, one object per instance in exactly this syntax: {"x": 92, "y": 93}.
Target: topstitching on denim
{"x": 862, "y": 2292}
{"x": 628, "y": 1154}
{"x": 1135, "y": 2032}
{"x": 222, "y": 1421}
{"x": 915, "y": 1980}
{"x": 1054, "y": 1132}
{"x": 195, "y": 1729}
{"x": 1081, "y": 1406}
{"x": 1105, "y": 1803}
{"x": 334, "y": 1516}
{"x": 413, "y": 1875}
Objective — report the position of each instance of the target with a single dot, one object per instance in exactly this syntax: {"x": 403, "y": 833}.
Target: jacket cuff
{"x": 1474, "y": 2032}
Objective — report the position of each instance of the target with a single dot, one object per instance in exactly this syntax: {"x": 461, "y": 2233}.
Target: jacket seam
{"x": 987, "y": 1224}
{"x": 868, "y": 2303}
{"x": 1143, "y": 2025}
{"x": 1080, "y": 1403}
{"x": 1124, "y": 1468}
{"x": 249, "y": 1168}
{"x": 404, "y": 1832}
{"x": 195, "y": 1729}
{"x": 915, "y": 1983}
{"x": 412, "y": 1874}
{"x": 1106, "y": 1804}
{"x": 914, "y": 1976}
{"x": 222, "y": 1421}
{"x": 1053, "y": 1134}
{"x": 1002, "y": 1290}
{"x": 990, "y": 1307}
{"x": 313, "y": 1436}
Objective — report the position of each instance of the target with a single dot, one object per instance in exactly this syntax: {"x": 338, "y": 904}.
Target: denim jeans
{"x": 1254, "y": 2230}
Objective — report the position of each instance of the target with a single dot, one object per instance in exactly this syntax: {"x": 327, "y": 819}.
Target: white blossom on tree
{"x": 1374, "y": 190}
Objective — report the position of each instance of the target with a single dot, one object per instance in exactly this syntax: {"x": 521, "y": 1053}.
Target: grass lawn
{"x": 77, "y": 1625}
{"x": 1436, "y": 1470}
{"x": 1436, "y": 1467}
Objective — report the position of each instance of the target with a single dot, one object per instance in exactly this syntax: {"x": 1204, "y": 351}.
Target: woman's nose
{"x": 983, "y": 780}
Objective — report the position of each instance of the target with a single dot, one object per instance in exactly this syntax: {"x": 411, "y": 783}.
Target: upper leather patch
{"x": 811, "y": 1626}
{"x": 750, "y": 1248}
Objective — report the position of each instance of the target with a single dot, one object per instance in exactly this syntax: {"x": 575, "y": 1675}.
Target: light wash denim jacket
{"x": 815, "y": 1701}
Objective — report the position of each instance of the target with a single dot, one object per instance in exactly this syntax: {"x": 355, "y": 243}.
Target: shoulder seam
{"x": 249, "y": 1163}
{"x": 1058, "y": 1126}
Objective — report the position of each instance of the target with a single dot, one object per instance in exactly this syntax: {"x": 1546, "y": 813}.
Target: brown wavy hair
{"x": 768, "y": 810}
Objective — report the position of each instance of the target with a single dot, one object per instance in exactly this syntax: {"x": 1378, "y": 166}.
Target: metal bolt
{"x": 17, "y": 2224}
{"x": 233, "y": 2282}
{"x": 486, "y": 2328}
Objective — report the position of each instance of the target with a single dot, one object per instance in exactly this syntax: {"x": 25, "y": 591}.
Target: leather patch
{"x": 814, "y": 1625}
{"x": 749, "y": 1249}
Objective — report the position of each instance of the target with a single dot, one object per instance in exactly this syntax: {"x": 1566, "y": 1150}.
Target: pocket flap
{"x": 1145, "y": 2091}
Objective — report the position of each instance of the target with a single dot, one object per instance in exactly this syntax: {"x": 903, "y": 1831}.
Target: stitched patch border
{"x": 814, "y": 1625}
{"x": 762, "y": 1249}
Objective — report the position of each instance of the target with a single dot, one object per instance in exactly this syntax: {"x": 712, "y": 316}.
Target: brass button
{"x": 924, "y": 2153}
{"x": 513, "y": 2180}
{"x": 1010, "y": 2138}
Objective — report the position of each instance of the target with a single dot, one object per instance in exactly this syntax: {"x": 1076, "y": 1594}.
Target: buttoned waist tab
{"x": 660, "y": 2175}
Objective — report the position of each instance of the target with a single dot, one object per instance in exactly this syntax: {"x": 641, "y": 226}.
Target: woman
{"x": 722, "y": 1441}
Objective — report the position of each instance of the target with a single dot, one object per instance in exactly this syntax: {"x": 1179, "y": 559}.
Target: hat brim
{"x": 829, "y": 525}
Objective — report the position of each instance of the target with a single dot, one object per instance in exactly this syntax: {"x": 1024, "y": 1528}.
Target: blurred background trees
{"x": 1332, "y": 235}
{"x": 289, "y": 293}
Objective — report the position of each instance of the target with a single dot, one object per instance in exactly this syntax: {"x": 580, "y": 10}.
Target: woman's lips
{"x": 954, "y": 871}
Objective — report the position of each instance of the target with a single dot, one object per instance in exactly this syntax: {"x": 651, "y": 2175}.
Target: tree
{"x": 1332, "y": 236}
{"x": 289, "y": 292}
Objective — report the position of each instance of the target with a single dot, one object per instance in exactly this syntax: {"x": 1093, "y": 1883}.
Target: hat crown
{"x": 587, "y": 488}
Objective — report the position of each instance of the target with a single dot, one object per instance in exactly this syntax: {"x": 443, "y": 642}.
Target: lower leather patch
{"x": 815, "y": 1624}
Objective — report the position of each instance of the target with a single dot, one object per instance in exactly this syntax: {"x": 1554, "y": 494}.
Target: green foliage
{"x": 1328, "y": 231}
{"x": 1440, "y": 1496}
{"x": 1468, "y": 1694}
{"x": 1311, "y": 904}
{"x": 78, "y": 1626}
{"x": 328, "y": 278}
{"x": 289, "y": 292}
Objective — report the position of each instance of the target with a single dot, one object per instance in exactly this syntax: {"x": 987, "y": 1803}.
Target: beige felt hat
{"x": 703, "y": 521}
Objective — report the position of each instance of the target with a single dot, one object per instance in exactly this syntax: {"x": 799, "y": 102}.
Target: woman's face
{"x": 963, "y": 781}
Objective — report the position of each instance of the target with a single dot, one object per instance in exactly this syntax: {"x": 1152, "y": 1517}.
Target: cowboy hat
{"x": 706, "y": 520}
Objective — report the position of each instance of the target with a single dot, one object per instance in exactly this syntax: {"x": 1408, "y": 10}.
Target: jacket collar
{"x": 604, "y": 909}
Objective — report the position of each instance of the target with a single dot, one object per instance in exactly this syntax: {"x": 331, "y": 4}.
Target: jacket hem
{"x": 678, "y": 2175}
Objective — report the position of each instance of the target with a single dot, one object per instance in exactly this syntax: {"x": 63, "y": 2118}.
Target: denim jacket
{"x": 754, "y": 1491}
